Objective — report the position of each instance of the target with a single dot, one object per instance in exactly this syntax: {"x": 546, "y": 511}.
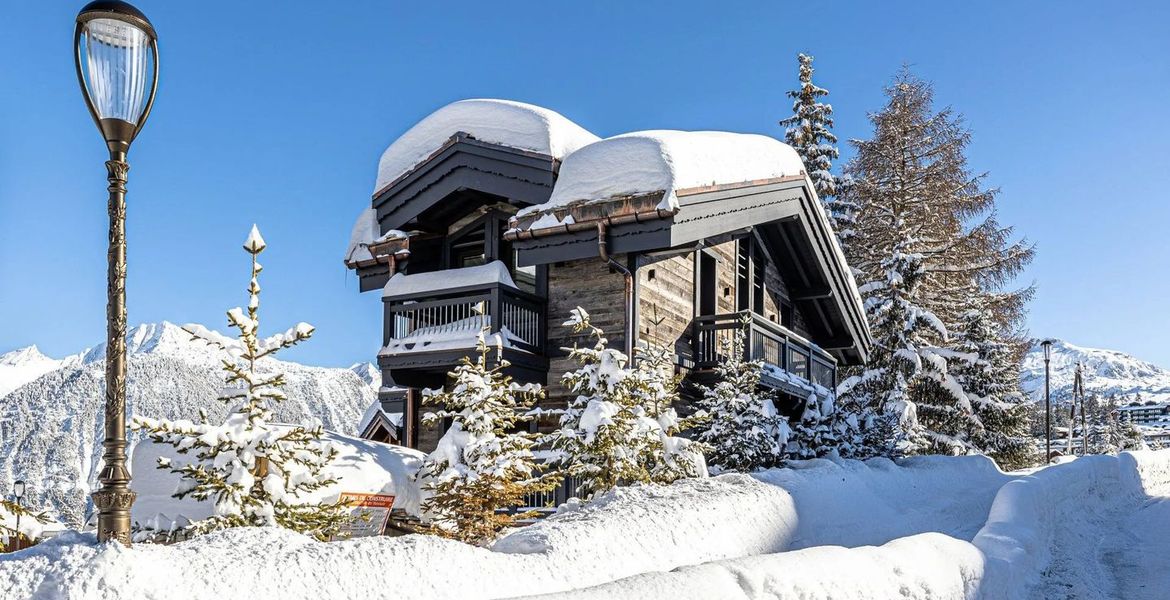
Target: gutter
{"x": 636, "y": 217}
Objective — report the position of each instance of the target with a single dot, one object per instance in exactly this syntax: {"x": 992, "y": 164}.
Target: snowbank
{"x": 1146, "y": 472}
{"x": 626, "y": 533}
{"x": 780, "y": 533}
{"x": 362, "y": 466}
{"x": 504, "y": 122}
{"x": 667, "y": 161}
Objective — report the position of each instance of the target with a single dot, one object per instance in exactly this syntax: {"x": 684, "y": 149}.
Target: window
{"x": 707, "y": 283}
{"x": 750, "y": 270}
{"x": 467, "y": 250}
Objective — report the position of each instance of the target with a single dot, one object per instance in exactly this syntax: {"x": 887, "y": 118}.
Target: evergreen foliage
{"x": 621, "y": 427}
{"x": 30, "y": 522}
{"x": 809, "y": 132}
{"x": 743, "y": 429}
{"x": 256, "y": 473}
{"x": 483, "y": 467}
{"x": 927, "y": 250}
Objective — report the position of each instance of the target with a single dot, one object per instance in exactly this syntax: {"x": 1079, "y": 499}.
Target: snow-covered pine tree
{"x": 256, "y": 473}
{"x": 483, "y": 466}
{"x": 919, "y": 243}
{"x": 743, "y": 429}
{"x": 994, "y": 392}
{"x": 619, "y": 428}
{"x": 809, "y": 132}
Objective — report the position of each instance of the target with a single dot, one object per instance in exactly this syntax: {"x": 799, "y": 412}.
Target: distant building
{"x": 1144, "y": 414}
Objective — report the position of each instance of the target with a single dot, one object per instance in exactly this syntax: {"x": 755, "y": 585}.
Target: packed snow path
{"x": 1138, "y": 553}
{"x": 947, "y": 528}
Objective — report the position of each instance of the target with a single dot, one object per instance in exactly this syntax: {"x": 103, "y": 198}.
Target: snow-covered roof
{"x": 362, "y": 466}
{"x": 504, "y": 122}
{"x": 366, "y": 232}
{"x": 402, "y": 284}
{"x": 374, "y": 410}
{"x": 667, "y": 161}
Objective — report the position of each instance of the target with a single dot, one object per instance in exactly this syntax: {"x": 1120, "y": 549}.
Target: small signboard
{"x": 369, "y": 514}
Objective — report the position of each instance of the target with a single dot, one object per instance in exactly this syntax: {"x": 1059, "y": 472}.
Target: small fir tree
{"x": 620, "y": 428}
{"x": 256, "y": 473}
{"x": 483, "y": 467}
{"x": 743, "y": 429}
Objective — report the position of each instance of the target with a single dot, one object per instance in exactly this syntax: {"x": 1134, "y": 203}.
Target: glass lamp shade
{"x": 119, "y": 65}
{"x": 18, "y": 489}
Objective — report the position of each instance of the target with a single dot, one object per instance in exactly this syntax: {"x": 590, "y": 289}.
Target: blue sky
{"x": 276, "y": 113}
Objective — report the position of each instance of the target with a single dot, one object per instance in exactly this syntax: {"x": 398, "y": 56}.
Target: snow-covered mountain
{"x": 22, "y": 366}
{"x": 51, "y": 419}
{"x": 1105, "y": 372}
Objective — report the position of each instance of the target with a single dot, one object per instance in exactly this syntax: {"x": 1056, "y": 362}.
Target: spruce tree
{"x": 483, "y": 467}
{"x": 619, "y": 428}
{"x": 256, "y": 473}
{"x": 985, "y": 370}
{"x": 809, "y": 132}
{"x": 743, "y": 429}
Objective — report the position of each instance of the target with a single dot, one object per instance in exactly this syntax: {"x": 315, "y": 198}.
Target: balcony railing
{"x": 449, "y": 319}
{"x": 766, "y": 341}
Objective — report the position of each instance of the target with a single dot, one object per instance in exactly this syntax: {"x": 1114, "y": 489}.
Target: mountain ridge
{"x": 51, "y": 422}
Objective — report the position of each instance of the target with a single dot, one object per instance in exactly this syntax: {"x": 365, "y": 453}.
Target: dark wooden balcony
{"x": 792, "y": 363}
{"x": 427, "y": 334}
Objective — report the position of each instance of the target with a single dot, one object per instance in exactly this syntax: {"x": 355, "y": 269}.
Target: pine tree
{"x": 620, "y": 428}
{"x": 743, "y": 429}
{"x": 808, "y": 131}
{"x": 255, "y": 472}
{"x": 927, "y": 250}
{"x": 483, "y": 467}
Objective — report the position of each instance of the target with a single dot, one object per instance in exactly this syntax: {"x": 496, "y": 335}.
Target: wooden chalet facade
{"x": 470, "y": 224}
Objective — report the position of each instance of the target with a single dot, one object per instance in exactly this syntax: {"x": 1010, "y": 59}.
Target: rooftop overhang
{"x": 464, "y": 163}
{"x": 784, "y": 211}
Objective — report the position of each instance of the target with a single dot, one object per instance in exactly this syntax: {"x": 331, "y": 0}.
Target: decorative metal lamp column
{"x": 116, "y": 53}
{"x": 1047, "y": 345}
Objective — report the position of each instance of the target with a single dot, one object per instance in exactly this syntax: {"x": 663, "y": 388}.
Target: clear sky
{"x": 276, "y": 113}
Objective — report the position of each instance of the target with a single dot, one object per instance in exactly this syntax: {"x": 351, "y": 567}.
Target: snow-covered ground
{"x": 922, "y": 528}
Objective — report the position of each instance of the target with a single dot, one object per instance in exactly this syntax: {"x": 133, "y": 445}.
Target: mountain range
{"x": 51, "y": 409}
{"x": 1104, "y": 372}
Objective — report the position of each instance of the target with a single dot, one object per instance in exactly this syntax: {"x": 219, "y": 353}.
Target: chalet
{"x": 679, "y": 238}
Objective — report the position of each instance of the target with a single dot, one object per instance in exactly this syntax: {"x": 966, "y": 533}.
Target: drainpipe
{"x": 603, "y": 252}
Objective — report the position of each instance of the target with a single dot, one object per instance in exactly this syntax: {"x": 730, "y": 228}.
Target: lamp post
{"x": 1047, "y": 345}
{"x": 116, "y": 53}
{"x": 18, "y": 495}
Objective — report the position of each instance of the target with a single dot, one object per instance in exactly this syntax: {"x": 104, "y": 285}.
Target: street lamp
{"x": 116, "y": 53}
{"x": 18, "y": 495}
{"x": 1047, "y": 345}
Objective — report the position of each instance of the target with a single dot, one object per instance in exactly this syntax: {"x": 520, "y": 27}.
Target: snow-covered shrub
{"x": 620, "y": 427}
{"x": 256, "y": 474}
{"x": 27, "y": 528}
{"x": 483, "y": 467}
{"x": 742, "y": 428}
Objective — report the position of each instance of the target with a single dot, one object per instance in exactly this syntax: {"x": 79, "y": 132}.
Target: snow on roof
{"x": 667, "y": 161}
{"x": 362, "y": 466}
{"x": 408, "y": 285}
{"x": 374, "y": 409}
{"x": 504, "y": 122}
{"x": 366, "y": 232}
